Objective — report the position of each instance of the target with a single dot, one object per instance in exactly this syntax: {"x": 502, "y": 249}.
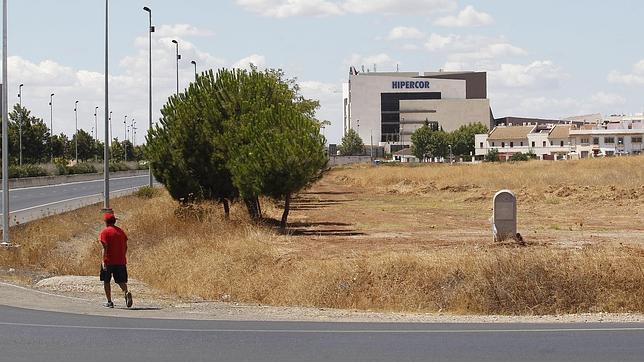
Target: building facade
{"x": 388, "y": 107}
{"x": 565, "y": 141}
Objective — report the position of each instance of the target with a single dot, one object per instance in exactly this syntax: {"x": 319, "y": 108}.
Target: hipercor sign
{"x": 410, "y": 84}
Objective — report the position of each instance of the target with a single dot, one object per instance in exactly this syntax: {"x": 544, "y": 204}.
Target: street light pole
{"x": 51, "y": 125}
{"x": 132, "y": 124}
{"x": 5, "y": 134}
{"x": 20, "y": 120}
{"x": 124, "y": 139}
{"x": 76, "y": 134}
{"x": 111, "y": 133}
{"x": 176, "y": 43}
{"x": 107, "y": 126}
{"x": 96, "y": 123}
{"x": 150, "y": 81}
{"x": 195, "y": 64}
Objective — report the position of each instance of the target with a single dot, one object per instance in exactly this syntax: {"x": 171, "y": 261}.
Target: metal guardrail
{"x": 17, "y": 183}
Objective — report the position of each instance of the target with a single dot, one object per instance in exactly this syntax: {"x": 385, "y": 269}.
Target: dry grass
{"x": 626, "y": 172}
{"x": 208, "y": 257}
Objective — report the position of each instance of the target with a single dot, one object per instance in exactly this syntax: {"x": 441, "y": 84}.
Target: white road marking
{"x": 330, "y": 331}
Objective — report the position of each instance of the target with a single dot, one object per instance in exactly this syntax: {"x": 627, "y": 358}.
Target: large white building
{"x": 613, "y": 136}
{"x": 388, "y": 107}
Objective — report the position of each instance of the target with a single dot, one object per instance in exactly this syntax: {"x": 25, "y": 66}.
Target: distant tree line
{"x": 38, "y": 145}
{"x": 238, "y": 135}
{"x": 431, "y": 141}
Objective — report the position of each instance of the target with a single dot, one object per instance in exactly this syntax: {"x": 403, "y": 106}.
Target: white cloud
{"x": 438, "y": 42}
{"x": 289, "y": 8}
{"x": 468, "y": 17}
{"x": 181, "y": 30}
{"x": 257, "y": 60}
{"x": 382, "y": 61}
{"x": 404, "y": 32}
{"x": 608, "y": 99}
{"x": 540, "y": 74}
{"x": 636, "y": 77}
{"x": 397, "y": 7}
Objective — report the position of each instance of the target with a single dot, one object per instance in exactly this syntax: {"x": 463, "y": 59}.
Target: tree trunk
{"x": 259, "y": 208}
{"x": 252, "y": 207}
{"x": 287, "y": 206}
{"x": 226, "y": 209}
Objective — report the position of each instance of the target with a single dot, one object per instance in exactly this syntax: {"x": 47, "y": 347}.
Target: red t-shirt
{"x": 116, "y": 241}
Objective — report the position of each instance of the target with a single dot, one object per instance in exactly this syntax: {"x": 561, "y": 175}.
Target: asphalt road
{"x": 23, "y": 198}
{"x": 27, "y": 335}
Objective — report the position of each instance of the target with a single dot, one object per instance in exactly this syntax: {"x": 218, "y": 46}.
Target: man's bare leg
{"x": 128, "y": 295}
{"x": 108, "y": 290}
{"x": 123, "y": 287}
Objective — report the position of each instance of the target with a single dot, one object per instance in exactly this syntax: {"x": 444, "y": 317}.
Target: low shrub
{"x": 26, "y": 171}
{"x": 520, "y": 157}
{"x": 80, "y": 168}
{"x": 119, "y": 166}
{"x": 147, "y": 192}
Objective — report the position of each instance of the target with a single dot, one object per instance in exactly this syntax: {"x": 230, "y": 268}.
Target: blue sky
{"x": 544, "y": 58}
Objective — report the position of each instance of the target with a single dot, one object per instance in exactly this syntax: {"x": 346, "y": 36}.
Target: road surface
{"x": 24, "y": 198}
{"x": 28, "y": 335}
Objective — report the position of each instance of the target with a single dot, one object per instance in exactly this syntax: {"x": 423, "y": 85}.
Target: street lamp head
{"x": 21, "y": 85}
{"x": 147, "y": 9}
{"x": 193, "y": 62}
{"x": 174, "y": 41}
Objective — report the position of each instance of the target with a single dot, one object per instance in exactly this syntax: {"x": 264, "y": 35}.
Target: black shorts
{"x": 119, "y": 272}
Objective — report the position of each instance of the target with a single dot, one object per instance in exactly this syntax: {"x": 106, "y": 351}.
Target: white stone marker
{"x": 504, "y": 217}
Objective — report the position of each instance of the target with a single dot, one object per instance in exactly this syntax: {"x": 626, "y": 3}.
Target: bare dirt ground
{"x": 340, "y": 219}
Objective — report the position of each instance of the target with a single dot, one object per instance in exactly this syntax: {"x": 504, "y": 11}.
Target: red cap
{"x": 108, "y": 216}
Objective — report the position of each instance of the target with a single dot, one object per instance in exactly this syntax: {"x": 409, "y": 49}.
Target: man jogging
{"x": 114, "y": 242}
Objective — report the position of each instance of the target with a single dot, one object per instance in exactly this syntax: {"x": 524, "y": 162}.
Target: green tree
{"x": 463, "y": 140}
{"x": 351, "y": 144}
{"x": 262, "y": 95}
{"x": 492, "y": 155}
{"x": 59, "y": 146}
{"x": 246, "y": 133}
{"x": 35, "y": 137}
{"x": 285, "y": 154}
{"x": 116, "y": 151}
{"x": 439, "y": 144}
{"x": 421, "y": 141}
{"x": 86, "y": 145}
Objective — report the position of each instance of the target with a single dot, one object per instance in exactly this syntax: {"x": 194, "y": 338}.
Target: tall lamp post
{"x": 76, "y": 134}
{"x": 106, "y": 149}
{"x": 5, "y": 131}
{"x": 176, "y": 43}
{"x": 111, "y": 134}
{"x": 124, "y": 139}
{"x": 20, "y": 120}
{"x": 195, "y": 64}
{"x": 51, "y": 125}
{"x": 150, "y": 80}
{"x": 96, "y": 123}
{"x": 132, "y": 128}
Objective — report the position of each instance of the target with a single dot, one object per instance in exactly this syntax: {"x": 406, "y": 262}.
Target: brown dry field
{"x": 415, "y": 209}
{"x": 389, "y": 238}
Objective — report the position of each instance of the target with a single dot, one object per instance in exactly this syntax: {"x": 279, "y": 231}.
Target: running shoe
{"x": 128, "y": 299}
{"x": 109, "y": 305}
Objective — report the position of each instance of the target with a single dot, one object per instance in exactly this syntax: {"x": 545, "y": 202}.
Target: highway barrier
{"x": 18, "y": 183}
{"x": 38, "y": 212}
